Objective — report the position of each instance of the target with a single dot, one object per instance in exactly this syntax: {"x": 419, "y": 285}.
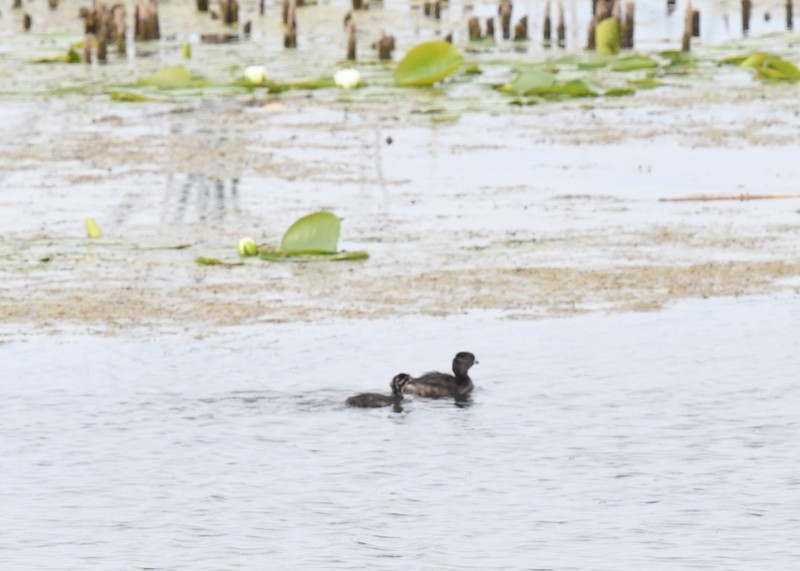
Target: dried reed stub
{"x": 747, "y": 11}
{"x": 290, "y": 25}
{"x": 247, "y": 28}
{"x": 17, "y": 4}
{"x": 106, "y": 24}
{"x": 686, "y": 43}
{"x": 202, "y": 5}
{"x": 505, "y": 18}
{"x": 27, "y": 22}
{"x": 489, "y": 35}
{"x": 448, "y": 38}
{"x": 350, "y": 28}
{"x": 145, "y": 19}
{"x": 521, "y": 30}
{"x": 53, "y": 4}
{"x": 695, "y": 23}
{"x": 547, "y": 30}
{"x": 360, "y": 4}
{"x": 474, "y": 29}
{"x": 627, "y": 26}
{"x": 229, "y": 10}
{"x": 385, "y": 45}
{"x": 437, "y": 10}
{"x": 561, "y": 29}
{"x": 671, "y": 5}
{"x": 262, "y": 7}
{"x": 789, "y": 15}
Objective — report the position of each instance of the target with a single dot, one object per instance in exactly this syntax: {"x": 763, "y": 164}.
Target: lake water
{"x": 663, "y": 440}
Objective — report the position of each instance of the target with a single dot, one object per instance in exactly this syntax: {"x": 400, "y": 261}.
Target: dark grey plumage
{"x": 441, "y": 385}
{"x": 375, "y": 400}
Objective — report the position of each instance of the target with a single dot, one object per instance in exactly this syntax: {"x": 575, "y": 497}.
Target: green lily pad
{"x": 175, "y": 77}
{"x": 568, "y": 90}
{"x": 427, "y": 63}
{"x": 786, "y": 69}
{"x": 315, "y": 233}
{"x": 607, "y": 37}
{"x": 634, "y": 62}
{"x": 620, "y": 92}
{"x": 529, "y": 80}
{"x": 93, "y": 229}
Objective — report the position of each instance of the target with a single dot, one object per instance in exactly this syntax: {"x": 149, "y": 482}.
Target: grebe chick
{"x": 440, "y": 385}
{"x": 375, "y": 400}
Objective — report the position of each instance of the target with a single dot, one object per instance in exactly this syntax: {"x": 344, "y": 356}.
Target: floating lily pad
{"x": 427, "y": 63}
{"x": 529, "y": 80}
{"x": 620, "y": 92}
{"x": 93, "y": 229}
{"x": 607, "y": 37}
{"x": 317, "y": 233}
{"x": 175, "y": 77}
{"x": 634, "y": 62}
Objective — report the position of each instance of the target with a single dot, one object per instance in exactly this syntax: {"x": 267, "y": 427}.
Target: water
{"x": 648, "y": 440}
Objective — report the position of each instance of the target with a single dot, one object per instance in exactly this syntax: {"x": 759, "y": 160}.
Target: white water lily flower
{"x": 347, "y": 78}
{"x": 256, "y": 74}
{"x": 248, "y": 247}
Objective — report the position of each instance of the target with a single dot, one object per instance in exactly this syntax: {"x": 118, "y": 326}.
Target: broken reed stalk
{"x": 695, "y": 23}
{"x": 789, "y": 15}
{"x": 230, "y": 11}
{"x": 108, "y": 26}
{"x": 145, "y": 18}
{"x": 360, "y": 5}
{"x": 262, "y": 7}
{"x": 747, "y": 8}
{"x": 489, "y": 35}
{"x": 385, "y": 47}
{"x": 561, "y": 30}
{"x": 671, "y": 7}
{"x": 629, "y": 25}
{"x": 290, "y": 24}
{"x": 474, "y": 29}
{"x": 521, "y": 30}
{"x": 686, "y": 44}
{"x": 53, "y": 4}
{"x": 17, "y": 4}
{"x": 27, "y": 22}
{"x": 449, "y": 38}
{"x": 505, "y": 18}
{"x": 741, "y": 197}
{"x": 350, "y": 27}
{"x": 202, "y": 5}
{"x": 547, "y": 32}
{"x": 437, "y": 10}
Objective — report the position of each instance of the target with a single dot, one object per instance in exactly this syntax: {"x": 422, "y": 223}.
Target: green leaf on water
{"x": 427, "y": 63}
{"x": 130, "y": 96}
{"x": 350, "y": 256}
{"x": 786, "y": 69}
{"x": 634, "y": 62}
{"x": 203, "y": 261}
{"x": 93, "y": 228}
{"x": 646, "y": 83}
{"x": 529, "y": 80}
{"x": 317, "y": 232}
{"x": 568, "y": 90}
{"x": 607, "y": 37}
{"x": 620, "y": 92}
{"x": 175, "y": 77}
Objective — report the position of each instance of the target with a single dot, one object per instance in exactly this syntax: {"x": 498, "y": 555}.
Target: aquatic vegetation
{"x": 256, "y": 74}
{"x": 767, "y": 66}
{"x": 347, "y": 78}
{"x": 247, "y": 247}
{"x": 93, "y": 228}
{"x": 175, "y": 77}
{"x": 427, "y": 63}
{"x": 607, "y": 37}
{"x": 312, "y": 237}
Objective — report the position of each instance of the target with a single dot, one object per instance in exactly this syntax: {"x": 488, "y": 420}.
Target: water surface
{"x": 644, "y": 440}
